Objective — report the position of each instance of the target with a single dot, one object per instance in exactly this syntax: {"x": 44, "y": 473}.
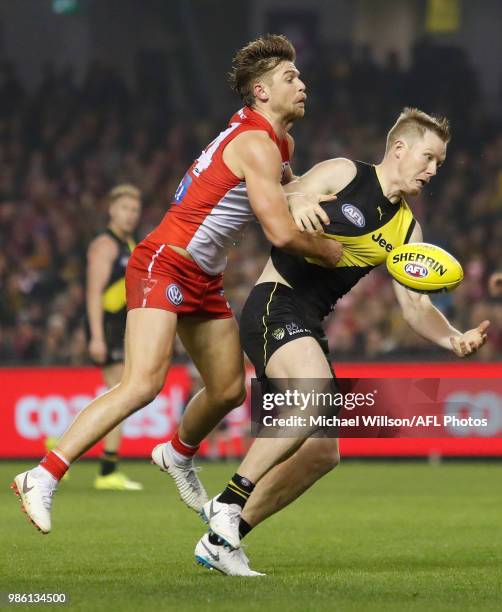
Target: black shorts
{"x": 114, "y": 330}
{"x": 272, "y": 316}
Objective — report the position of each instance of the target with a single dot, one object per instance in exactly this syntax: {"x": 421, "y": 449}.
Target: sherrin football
{"x": 424, "y": 267}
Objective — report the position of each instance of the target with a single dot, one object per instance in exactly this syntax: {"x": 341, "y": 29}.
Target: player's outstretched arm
{"x": 427, "y": 321}
{"x": 255, "y": 157}
{"x": 100, "y": 255}
{"x": 320, "y": 184}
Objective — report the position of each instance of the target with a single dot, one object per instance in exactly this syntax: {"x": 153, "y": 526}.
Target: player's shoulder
{"x": 342, "y": 165}
{"x": 336, "y": 173}
{"x": 254, "y": 143}
{"x": 103, "y": 244}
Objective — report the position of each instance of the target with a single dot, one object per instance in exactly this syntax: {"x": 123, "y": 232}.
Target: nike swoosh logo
{"x": 163, "y": 462}
{"x": 211, "y": 554}
{"x": 26, "y": 488}
{"x": 212, "y": 512}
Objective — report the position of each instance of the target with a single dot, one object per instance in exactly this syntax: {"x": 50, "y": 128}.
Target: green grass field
{"x": 369, "y": 536}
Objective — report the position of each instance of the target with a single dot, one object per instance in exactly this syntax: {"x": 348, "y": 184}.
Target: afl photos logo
{"x": 353, "y": 214}
{"x": 174, "y": 295}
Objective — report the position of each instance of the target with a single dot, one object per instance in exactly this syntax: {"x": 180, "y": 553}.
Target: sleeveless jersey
{"x": 368, "y": 226}
{"x": 211, "y": 206}
{"x": 114, "y": 295}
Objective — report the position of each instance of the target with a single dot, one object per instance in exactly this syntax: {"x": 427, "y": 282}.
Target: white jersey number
{"x": 204, "y": 161}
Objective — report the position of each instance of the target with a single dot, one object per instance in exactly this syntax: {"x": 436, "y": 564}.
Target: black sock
{"x": 109, "y": 462}
{"x": 237, "y": 492}
{"x": 244, "y": 528}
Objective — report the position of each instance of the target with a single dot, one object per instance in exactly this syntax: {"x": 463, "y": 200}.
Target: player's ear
{"x": 260, "y": 91}
{"x": 399, "y": 147}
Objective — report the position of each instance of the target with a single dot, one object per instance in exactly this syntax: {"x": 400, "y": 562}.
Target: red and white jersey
{"x": 211, "y": 206}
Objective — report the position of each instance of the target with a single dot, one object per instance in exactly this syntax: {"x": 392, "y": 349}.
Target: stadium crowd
{"x": 64, "y": 145}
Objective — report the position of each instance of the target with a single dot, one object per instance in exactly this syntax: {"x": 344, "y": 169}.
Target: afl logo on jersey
{"x": 353, "y": 214}
{"x": 174, "y": 295}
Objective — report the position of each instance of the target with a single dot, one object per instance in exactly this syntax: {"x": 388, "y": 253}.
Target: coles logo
{"x": 353, "y": 214}
{"x": 416, "y": 270}
{"x": 174, "y": 294}
{"x": 49, "y": 416}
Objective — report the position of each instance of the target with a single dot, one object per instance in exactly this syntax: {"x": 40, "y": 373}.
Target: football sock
{"x": 237, "y": 491}
{"x": 244, "y": 528}
{"x": 181, "y": 451}
{"x": 55, "y": 464}
{"x": 109, "y": 462}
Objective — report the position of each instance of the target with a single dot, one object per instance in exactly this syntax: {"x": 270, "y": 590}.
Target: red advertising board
{"x": 40, "y": 403}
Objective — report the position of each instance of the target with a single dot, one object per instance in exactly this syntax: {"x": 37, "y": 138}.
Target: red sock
{"x": 182, "y": 448}
{"x": 55, "y": 465}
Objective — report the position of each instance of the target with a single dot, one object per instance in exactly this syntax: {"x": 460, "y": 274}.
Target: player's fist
{"x": 471, "y": 341}
{"x": 97, "y": 350}
{"x": 495, "y": 284}
{"x": 307, "y": 211}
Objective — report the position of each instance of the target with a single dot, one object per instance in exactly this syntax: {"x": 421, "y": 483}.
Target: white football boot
{"x": 35, "y": 495}
{"x": 223, "y": 520}
{"x": 184, "y": 474}
{"x": 230, "y": 562}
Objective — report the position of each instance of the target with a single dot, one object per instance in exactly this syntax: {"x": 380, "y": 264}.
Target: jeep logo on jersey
{"x": 416, "y": 270}
{"x": 278, "y": 333}
{"x": 380, "y": 240}
{"x": 353, "y": 214}
{"x": 174, "y": 294}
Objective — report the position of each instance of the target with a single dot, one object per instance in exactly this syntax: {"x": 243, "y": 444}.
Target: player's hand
{"x": 471, "y": 341}
{"x": 495, "y": 284}
{"x": 307, "y": 211}
{"x": 331, "y": 253}
{"x": 97, "y": 350}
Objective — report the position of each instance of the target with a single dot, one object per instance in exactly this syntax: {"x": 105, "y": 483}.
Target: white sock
{"x": 178, "y": 457}
{"x": 44, "y": 476}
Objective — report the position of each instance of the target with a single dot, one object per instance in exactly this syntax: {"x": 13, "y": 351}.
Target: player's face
{"x": 420, "y": 161}
{"x": 286, "y": 91}
{"x": 125, "y": 213}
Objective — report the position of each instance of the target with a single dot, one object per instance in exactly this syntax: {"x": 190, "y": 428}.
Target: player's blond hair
{"x": 415, "y": 122}
{"x": 255, "y": 59}
{"x": 124, "y": 189}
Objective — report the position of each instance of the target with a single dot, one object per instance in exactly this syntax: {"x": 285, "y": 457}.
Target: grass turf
{"x": 369, "y": 536}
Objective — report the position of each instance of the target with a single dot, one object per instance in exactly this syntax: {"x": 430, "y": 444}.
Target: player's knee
{"x": 143, "y": 390}
{"x": 232, "y": 395}
{"x": 235, "y": 394}
{"x": 326, "y": 457}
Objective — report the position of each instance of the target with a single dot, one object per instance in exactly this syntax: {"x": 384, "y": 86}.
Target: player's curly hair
{"x": 255, "y": 59}
{"x": 415, "y": 121}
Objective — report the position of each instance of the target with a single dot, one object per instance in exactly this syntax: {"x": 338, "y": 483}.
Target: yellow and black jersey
{"x": 114, "y": 294}
{"x": 368, "y": 226}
